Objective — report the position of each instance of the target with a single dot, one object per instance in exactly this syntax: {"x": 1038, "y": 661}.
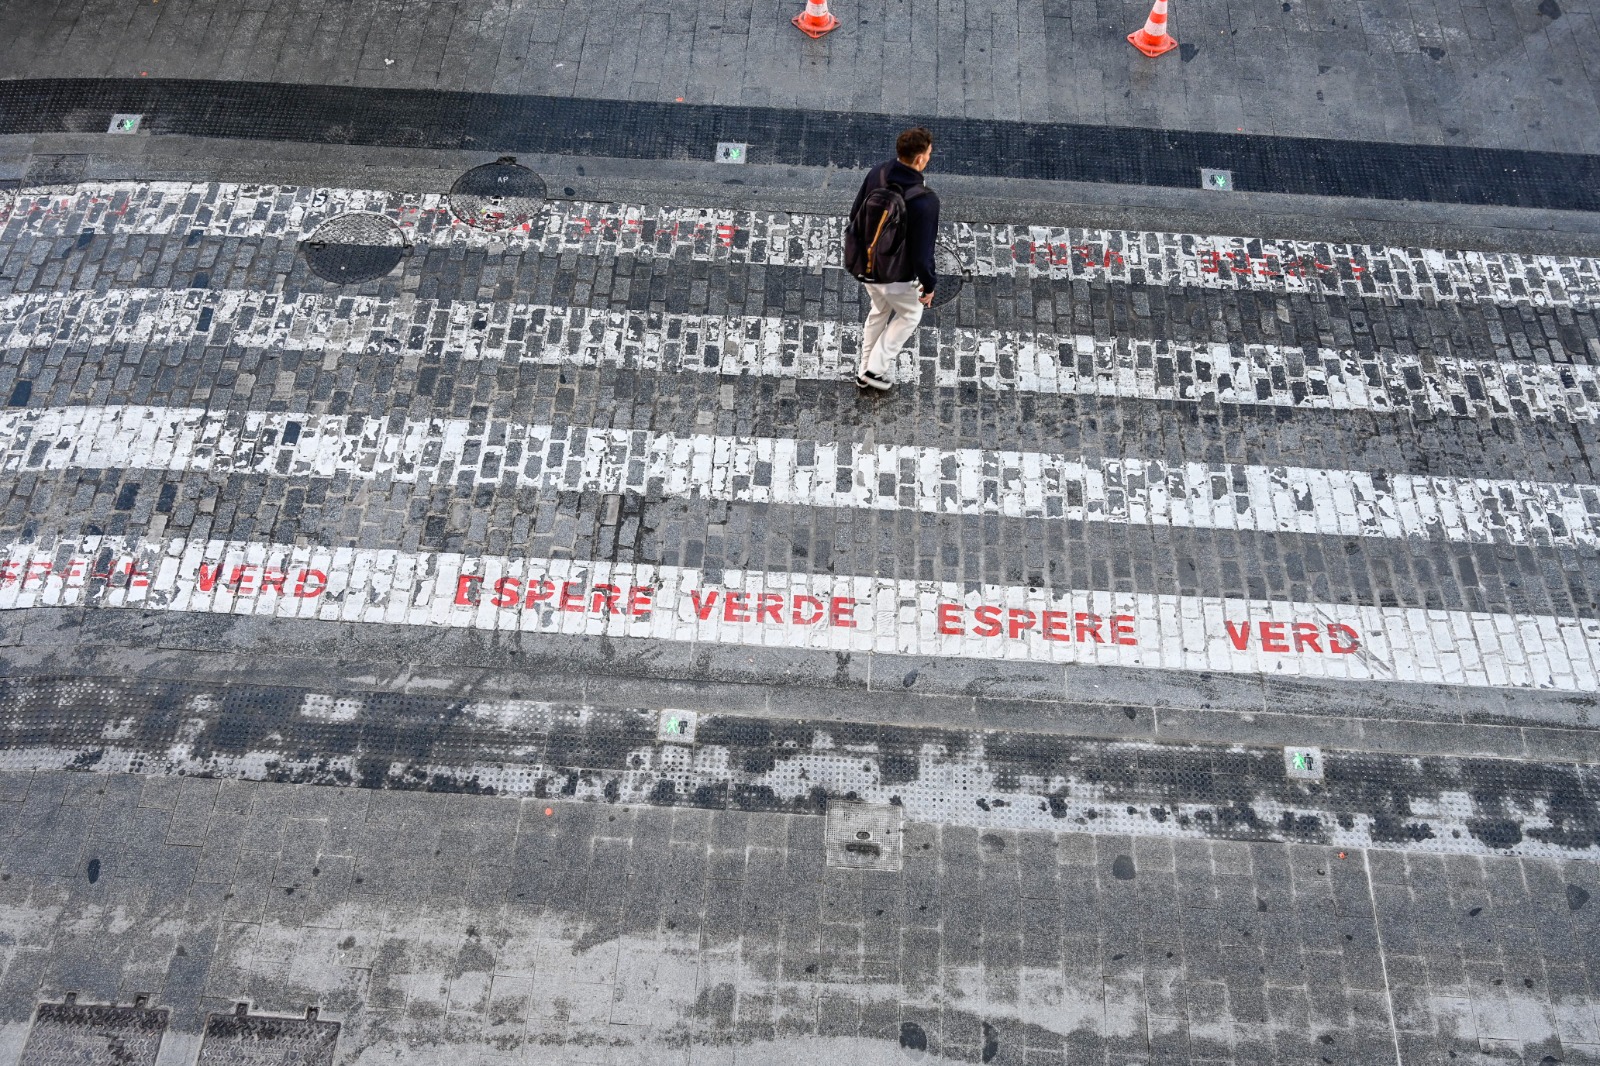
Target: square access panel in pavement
{"x": 864, "y": 836}
{"x": 66, "y": 1034}
{"x": 243, "y": 1039}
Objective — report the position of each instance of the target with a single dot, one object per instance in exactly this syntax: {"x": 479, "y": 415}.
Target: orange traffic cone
{"x": 1154, "y": 39}
{"x": 816, "y": 19}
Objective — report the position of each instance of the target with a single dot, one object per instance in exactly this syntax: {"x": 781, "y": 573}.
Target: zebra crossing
{"x": 137, "y": 431}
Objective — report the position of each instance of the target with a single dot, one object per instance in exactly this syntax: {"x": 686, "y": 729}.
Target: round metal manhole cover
{"x": 952, "y": 272}
{"x": 502, "y": 195}
{"x": 354, "y": 247}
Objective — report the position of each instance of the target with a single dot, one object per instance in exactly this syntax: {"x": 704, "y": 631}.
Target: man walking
{"x": 889, "y": 246}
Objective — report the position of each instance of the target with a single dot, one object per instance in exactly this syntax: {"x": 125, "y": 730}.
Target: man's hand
{"x": 926, "y": 299}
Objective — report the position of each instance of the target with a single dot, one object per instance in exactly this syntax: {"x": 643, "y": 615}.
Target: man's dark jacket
{"x": 922, "y": 218}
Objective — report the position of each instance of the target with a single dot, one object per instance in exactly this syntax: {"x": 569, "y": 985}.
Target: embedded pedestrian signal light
{"x": 676, "y": 726}
{"x": 124, "y": 123}
{"x": 735, "y": 152}
{"x": 1216, "y": 180}
{"x": 1303, "y": 764}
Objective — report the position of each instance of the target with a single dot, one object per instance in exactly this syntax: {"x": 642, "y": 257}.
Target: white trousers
{"x": 896, "y": 310}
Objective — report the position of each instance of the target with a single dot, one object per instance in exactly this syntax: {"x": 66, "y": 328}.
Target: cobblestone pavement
{"x": 499, "y": 436}
{"x": 253, "y": 518}
{"x": 1517, "y": 75}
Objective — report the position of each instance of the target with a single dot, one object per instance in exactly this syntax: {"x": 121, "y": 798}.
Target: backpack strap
{"x": 873, "y": 243}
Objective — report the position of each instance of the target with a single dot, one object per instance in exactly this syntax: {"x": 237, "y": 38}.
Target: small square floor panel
{"x": 864, "y": 836}
{"x": 66, "y": 1034}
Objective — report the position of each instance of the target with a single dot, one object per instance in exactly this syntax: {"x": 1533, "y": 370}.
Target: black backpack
{"x": 877, "y": 245}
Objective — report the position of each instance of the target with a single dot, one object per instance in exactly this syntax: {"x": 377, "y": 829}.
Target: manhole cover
{"x": 65, "y": 1033}
{"x": 952, "y": 270}
{"x": 354, "y": 247}
{"x": 241, "y": 1039}
{"x": 498, "y": 196}
{"x": 861, "y": 836}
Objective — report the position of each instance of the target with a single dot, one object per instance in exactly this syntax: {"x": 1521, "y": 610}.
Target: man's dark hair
{"x": 912, "y": 143}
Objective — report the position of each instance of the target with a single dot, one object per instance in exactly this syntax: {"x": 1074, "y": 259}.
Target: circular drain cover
{"x": 952, "y": 273}
{"x": 354, "y": 247}
{"x": 497, "y": 196}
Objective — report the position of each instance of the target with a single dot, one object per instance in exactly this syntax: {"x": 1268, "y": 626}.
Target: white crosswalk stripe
{"x": 781, "y": 610}
{"x": 963, "y": 481}
{"x": 1271, "y": 375}
{"x": 813, "y": 241}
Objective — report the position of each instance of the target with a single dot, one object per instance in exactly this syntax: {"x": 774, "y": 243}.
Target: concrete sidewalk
{"x": 1519, "y": 74}
{"x": 436, "y": 929}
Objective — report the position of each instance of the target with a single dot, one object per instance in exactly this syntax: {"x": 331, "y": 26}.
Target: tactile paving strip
{"x": 67, "y": 1034}
{"x": 984, "y": 779}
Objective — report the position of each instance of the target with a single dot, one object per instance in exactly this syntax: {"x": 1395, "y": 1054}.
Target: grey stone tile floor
{"x": 1506, "y": 73}
{"x": 464, "y": 929}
